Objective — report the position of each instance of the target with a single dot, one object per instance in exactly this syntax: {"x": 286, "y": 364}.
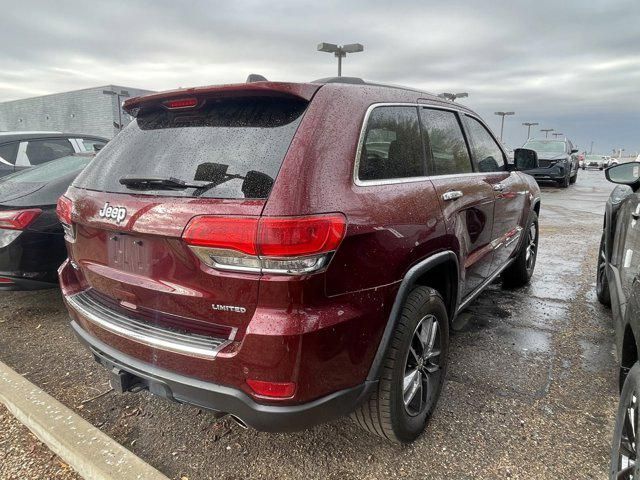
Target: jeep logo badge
{"x": 113, "y": 213}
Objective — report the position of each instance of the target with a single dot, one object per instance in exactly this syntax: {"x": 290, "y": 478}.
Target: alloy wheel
{"x": 532, "y": 247}
{"x": 627, "y": 467}
{"x": 602, "y": 263}
{"x": 422, "y": 366}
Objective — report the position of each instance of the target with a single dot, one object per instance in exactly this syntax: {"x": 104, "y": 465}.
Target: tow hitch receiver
{"x": 122, "y": 381}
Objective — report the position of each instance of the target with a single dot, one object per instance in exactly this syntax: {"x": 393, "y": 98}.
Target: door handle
{"x": 498, "y": 187}
{"x": 452, "y": 195}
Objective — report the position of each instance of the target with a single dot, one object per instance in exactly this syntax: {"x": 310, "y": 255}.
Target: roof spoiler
{"x": 186, "y": 97}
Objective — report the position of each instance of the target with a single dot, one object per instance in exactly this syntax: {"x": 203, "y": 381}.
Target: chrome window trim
{"x": 395, "y": 181}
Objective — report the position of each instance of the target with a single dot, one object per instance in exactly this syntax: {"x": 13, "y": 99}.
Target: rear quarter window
{"x": 391, "y": 148}
{"x": 226, "y": 142}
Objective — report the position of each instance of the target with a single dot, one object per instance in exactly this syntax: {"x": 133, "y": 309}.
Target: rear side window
{"x": 37, "y": 152}
{"x": 8, "y": 152}
{"x": 237, "y": 145}
{"x": 444, "y": 140}
{"x": 484, "y": 149}
{"x": 392, "y": 146}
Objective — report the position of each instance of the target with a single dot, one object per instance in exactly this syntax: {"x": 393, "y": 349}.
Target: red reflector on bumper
{"x": 5, "y": 280}
{"x": 272, "y": 389}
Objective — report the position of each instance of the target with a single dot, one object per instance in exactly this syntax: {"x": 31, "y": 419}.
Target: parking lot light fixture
{"x": 546, "y": 131}
{"x": 529, "y": 125}
{"x": 453, "y": 96}
{"x": 503, "y": 114}
{"x": 557, "y": 134}
{"x": 119, "y": 95}
{"x": 340, "y": 51}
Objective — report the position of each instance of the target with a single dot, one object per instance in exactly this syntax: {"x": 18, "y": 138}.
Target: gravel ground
{"x": 531, "y": 390}
{"x": 24, "y": 457}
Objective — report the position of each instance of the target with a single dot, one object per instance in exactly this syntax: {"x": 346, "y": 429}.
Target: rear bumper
{"x": 220, "y": 398}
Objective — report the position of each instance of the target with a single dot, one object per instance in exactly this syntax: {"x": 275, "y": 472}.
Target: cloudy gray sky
{"x": 572, "y": 65}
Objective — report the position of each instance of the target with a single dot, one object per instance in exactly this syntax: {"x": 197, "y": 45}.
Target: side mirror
{"x": 625, "y": 174}
{"x": 525, "y": 159}
{"x": 575, "y": 150}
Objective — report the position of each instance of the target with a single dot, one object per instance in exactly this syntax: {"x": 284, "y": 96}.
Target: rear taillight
{"x": 281, "y": 245}
{"x": 63, "y": 209}
{"x": 18, "y": 219}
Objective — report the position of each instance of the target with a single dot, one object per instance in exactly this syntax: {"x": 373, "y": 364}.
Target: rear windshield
{"x": 236, "y": 144}
{"x": 50, "y": 171}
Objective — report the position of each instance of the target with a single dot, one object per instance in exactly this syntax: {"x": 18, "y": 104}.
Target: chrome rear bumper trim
{"x": 194, "y": 345}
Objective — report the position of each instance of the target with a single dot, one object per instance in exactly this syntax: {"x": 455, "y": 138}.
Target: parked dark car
{"x": 558, "y": 161}
{"x": 31, "y": 237}
{"x": 617, "y": 286}
{"x": 290, "y": 253}
{"x": 619, "y": 261}
{"x": 20, "y": 150}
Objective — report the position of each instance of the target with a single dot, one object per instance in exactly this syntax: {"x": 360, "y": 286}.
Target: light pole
{"x": 340, "y": 51}
{"x": 546, "y": 131}
{"x": 591, "y": 149}
{"x": 121, "y": 94}
{"x": 453, "y": 96}
{"x": 557, "y": 134}
{"x": 503, "y": 114}
{"x": 529, "y": 125}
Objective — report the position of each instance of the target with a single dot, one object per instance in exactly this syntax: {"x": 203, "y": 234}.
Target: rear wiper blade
{"x": 159, "y": 183}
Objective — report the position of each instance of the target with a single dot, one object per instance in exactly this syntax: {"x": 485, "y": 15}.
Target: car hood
{"x": 13, "y": 190}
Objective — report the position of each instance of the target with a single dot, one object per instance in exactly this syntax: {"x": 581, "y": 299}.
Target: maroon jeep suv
{"x": 289, "y": 253}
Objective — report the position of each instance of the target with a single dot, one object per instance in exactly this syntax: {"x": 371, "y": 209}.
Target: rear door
{"x": 508, "y": 187}
{"x": 626, "y": 249}
{"x": 466, "y": 199}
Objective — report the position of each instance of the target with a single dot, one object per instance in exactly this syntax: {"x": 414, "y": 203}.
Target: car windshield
{"x": 50, "y": 171}
{"x": 235, "y": 144}
{"x": 545, "y": 146}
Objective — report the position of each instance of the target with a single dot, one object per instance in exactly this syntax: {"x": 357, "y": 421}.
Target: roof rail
{"x": 254, "y": 77}
{"x": 352, "y": 80}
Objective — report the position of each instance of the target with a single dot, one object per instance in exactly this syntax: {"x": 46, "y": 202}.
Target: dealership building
{"x": 93, "y": 111}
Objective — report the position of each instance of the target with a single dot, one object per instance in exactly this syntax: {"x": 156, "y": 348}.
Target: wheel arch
{"x": 440, "y": 272}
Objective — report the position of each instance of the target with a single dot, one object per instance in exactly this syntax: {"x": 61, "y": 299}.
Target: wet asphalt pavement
{"x": 531, "y": 390}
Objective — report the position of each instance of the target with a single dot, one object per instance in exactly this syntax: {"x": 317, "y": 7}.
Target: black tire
{"x": 520, "y": 271}
{"x": 574, "y": 178}
{"x": 564, "y": 183}
{"x": 625, "y": 434}
{"x": 602, "y": 282}
{"x": 385, "y": 412}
